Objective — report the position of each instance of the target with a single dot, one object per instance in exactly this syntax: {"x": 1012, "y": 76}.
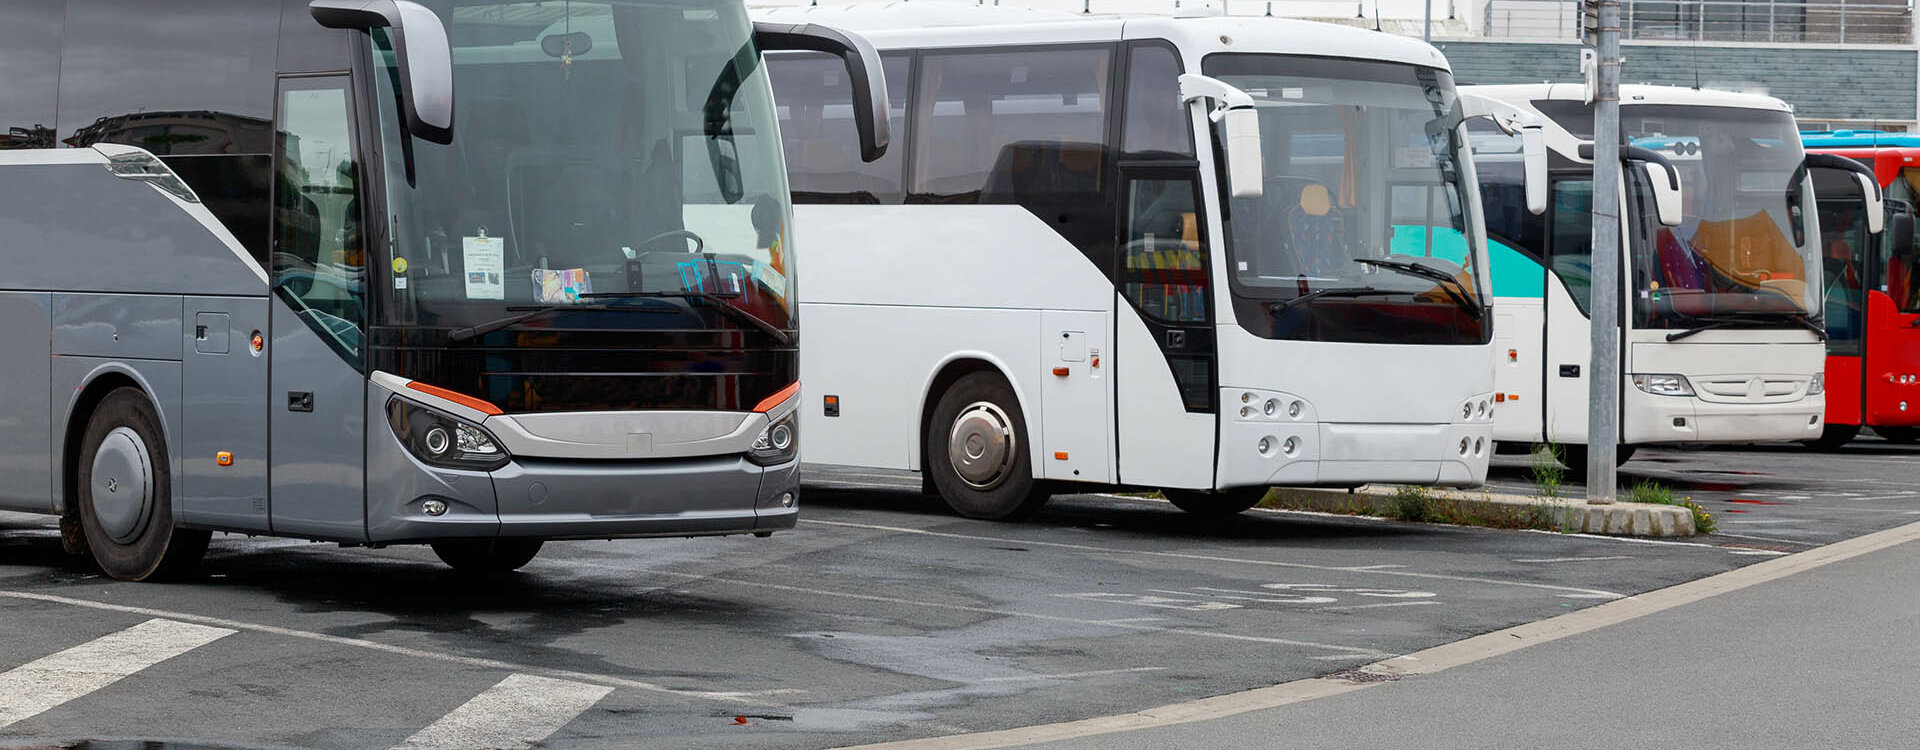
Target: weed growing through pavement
{"x": 1549, "y": 476}
{"x": 1418, "y": 504}
{"x": 1660, "y": 494}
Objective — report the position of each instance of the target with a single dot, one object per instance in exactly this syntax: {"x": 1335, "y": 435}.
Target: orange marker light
{"x": 771, "y": 402}
{"x": 1059, "y": 455}
{"x": 1499, "y": 398}
{"x": 259, "y": 342}
{"x": 223, "y": 458}
{"x": 1513, "y": 355}
{"x": 456, "y": 397}
{"x": 1061, "y": 371}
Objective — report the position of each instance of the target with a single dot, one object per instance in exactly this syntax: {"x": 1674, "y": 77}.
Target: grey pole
{"x": 1426, "y": 30}
{"x": 1603, "y": 373}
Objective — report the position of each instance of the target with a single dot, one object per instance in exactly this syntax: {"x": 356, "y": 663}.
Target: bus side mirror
{"x": 1246, "y": 171}
{"x": 1533, "y": 141}
{"x": 1663, "y": 179}
{"x": 864, "y": 71}
{"x": 1876, "y": 203}
{"x": 1901, "y": 225}
{"x": 420, "y": 49}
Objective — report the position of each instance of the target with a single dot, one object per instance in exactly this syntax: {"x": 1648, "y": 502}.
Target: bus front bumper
{"x": 1288, "y": 450}
{"x": 534, "y": 499}
{"x": 1651, "y": 419}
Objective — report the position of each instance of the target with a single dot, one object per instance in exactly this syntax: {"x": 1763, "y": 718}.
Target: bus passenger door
{"x": 1891, "y": 393}
{"x": 317, "y": 397}
{"x": 1164, "y": 358}
{"x": 1569, "y": 345}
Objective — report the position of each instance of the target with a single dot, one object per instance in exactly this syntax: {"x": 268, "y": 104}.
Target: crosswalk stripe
{"x": 520, "y": 712}
{"x": 45, "y": 683}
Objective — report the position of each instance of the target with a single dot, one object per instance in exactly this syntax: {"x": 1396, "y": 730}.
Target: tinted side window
{"x": 1571, "y": 248}
{"x": 815, "y": 102}
{"x": 1157, "y": 124}
{"x": 30, "y": 68}
{"x": 191, "y": 82}
{"x": 1011, "y": 123}
{"x": 174, "y": 78}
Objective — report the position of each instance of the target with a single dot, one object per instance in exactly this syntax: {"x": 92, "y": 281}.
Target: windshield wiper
{"x": 462, "y": 334}
{"x": 1733, "y": 319}
{"x": 1274, "y": 308}
{"x": 1462, "y": 297}
{"x": 716, "y": 301}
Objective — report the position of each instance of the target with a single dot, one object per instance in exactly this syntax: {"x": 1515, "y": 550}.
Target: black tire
{"x": 496, "y": 557}
{"x": 1575, "y": 456}
{"x": 1834, "y": 436}
{"x": 1216, "y": 504}
{"x": 977, "y": 452}
{"x": 125, "y": 486}
{"x": 1896, "y": 434}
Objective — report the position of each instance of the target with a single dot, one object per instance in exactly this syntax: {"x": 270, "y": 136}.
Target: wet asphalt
{"x": 882, "y": 617}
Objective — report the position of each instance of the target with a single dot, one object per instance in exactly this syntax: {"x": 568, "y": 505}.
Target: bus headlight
{"x": 1664, "y": 385}
{"x": 1818, "y": 385}
{"x": 777, "y": 444}
{"x": 441, "y": 440}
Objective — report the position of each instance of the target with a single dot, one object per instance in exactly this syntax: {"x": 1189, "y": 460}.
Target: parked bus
{"x": 1202, "y": 254}
{"x": 473, "y": 274}
{"x": 1873, "y": 347}
{"x": 1721, "y": 339}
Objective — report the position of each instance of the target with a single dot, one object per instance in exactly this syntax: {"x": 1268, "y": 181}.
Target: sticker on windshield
{"x": 485, "y": 262}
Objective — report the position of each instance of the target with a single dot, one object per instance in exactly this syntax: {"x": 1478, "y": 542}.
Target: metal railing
{"x": 1778, "y": 21}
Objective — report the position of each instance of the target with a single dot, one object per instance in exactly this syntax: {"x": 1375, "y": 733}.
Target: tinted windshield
{"x": 1748, "y": 242}
{"x": 599, "y": 147}
{"x": 1362, "y": 164}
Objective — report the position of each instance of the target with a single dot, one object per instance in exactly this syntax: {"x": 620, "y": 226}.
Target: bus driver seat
{"x": 1313, "y": 229}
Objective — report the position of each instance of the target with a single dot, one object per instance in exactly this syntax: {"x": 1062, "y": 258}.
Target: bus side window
{"x": 1155, "y": 124}
{"x": 1571, "y": 249}
{"x": 319, "y": 259}
{"x": 816, "y": 129}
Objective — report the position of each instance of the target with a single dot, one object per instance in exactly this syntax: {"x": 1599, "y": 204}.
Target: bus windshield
{"x": 1747, "y": 247}
{"x": 615, "y": 159}
{"x": 1361, "y": 233}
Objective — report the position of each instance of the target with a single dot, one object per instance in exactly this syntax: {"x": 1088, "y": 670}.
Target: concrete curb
{"x": 1505, "y": 511}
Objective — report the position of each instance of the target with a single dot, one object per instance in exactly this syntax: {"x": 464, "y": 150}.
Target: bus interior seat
{"x": 1313, "y": 229}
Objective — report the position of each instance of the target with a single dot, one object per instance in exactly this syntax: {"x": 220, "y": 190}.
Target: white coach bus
{"x": 1202, "y": 254}
{"x": 1722, "y": 335}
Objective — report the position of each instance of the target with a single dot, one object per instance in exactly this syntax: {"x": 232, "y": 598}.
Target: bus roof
{"x": 934, "y": 24}
{"x": 1859, "y": 139}
{"x": 1631, "y": 94}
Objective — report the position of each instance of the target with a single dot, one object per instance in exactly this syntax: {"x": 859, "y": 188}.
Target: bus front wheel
{"x": 1216, "y": 504}
{"x": 977, "y": 453}
{"x": 125, "y": 494}
{"x": 492, "y": 557}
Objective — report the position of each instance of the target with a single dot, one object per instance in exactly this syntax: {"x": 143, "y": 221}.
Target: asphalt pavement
{"x": 881, "y": 618}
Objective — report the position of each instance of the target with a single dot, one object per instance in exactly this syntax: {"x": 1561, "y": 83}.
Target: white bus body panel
{"x": 891, "y": 295}
{"x": 1517, "y": 339}
{"x": 1161, "y": 443}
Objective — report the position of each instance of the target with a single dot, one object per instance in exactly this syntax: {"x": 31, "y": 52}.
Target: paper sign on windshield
{"x": 485, "y": 261}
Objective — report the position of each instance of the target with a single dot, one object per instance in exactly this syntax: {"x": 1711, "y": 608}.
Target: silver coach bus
{"x": 474, "y": 274}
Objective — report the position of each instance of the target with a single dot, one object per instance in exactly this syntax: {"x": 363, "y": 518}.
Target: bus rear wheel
{"x": 1835, "y": 435}
{"x": 125, "y": 494}
{"x": 493, "y": 557}
{"x": 1217, "y": 504}
{"x": 1898, "y": 434}
{"x": 977, "y": 454}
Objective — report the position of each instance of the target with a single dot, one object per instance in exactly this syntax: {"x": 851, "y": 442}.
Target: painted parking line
{"x": 1363, "y": 570}
{"x": 522, "y": 711}
{"x": 1602, "y": 558}
{"x": 46, "y": 683}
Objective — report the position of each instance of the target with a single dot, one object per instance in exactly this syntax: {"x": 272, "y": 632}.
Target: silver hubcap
{"x": 982, "y": 446}
{"x": 122, "y": 484}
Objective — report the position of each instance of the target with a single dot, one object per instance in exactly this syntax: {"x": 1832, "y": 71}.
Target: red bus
{"x": 1872, "y": 289}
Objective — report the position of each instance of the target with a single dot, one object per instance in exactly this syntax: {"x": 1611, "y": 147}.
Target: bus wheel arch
{"x": 115, "y": 428}
{"x": 973, "y": 401}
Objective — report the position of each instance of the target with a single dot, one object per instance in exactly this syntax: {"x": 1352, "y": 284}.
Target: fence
{"x": 1779, "y": 21}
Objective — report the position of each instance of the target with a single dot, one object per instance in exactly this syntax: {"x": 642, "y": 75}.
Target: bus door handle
{"x": 1569, "y": 371}
{"x": 300, "y": 401}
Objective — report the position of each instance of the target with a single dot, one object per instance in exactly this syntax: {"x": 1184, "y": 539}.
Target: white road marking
{"x": 1437, "y": 659}
{"x": 1573, "y": 559}
{"x": 1801, "y": 542}
{"x": 745, "y": 697}
{"x": 1374, "y": 567}
{"x": 1378, "y": 606}
{"x": 1073, "y": 675}
{"x": 1640, "y": 540}
{"x": 37, "y": 686}
{"x": 520, "y": 712}
{"x": 1127, "y": 623}
{"x": 1211, "y": 558}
